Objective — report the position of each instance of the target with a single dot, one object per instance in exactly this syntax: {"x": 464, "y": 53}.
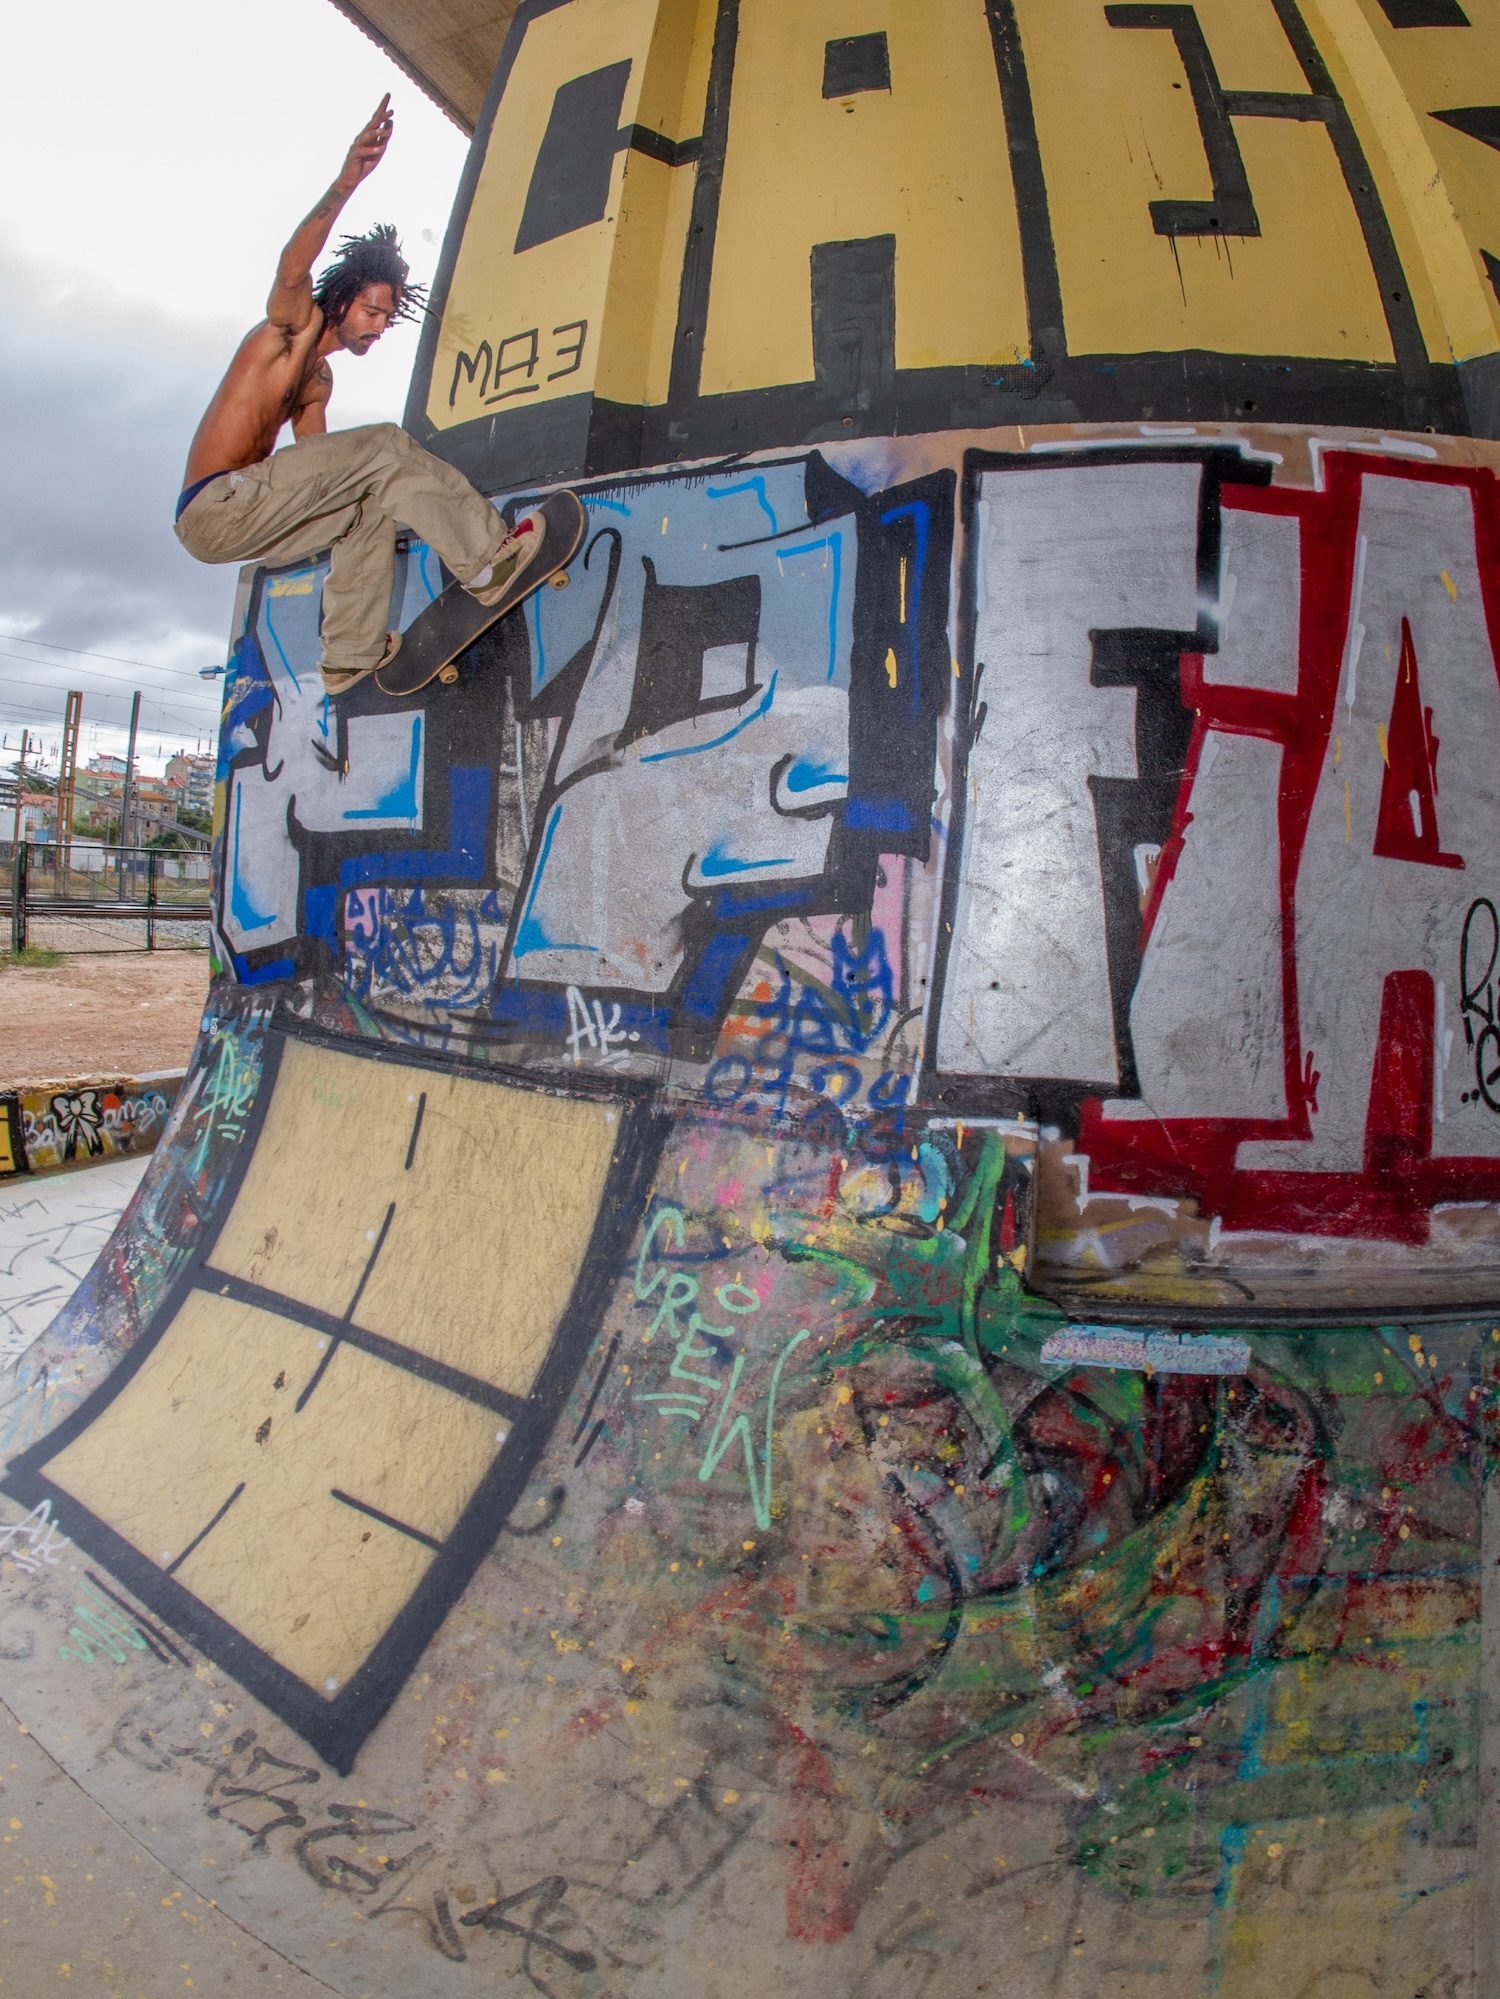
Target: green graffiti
{"x": 762, "y": 1475}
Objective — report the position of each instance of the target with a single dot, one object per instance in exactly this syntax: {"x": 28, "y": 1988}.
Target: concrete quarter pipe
{"x": 821, "y": 1312}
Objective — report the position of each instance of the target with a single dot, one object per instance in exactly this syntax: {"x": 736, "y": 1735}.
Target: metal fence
{"x": 84, "y": 895}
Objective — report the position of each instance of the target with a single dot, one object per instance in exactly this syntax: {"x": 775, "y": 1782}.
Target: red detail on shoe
{"x": 1406, "y": 827}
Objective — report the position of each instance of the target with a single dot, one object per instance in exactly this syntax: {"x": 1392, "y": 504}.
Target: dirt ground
{"x": 124, "y": 1014}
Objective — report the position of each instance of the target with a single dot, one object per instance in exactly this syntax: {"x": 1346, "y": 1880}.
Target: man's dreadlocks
{"x": 374, "y": 259}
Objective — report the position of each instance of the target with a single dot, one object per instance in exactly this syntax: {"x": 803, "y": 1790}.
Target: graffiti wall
{"x": 44, "y": 1130}
{"x": 699, "y": 226}
{"x": 741, "y": 1350}
{"x": 1138, "y": 788}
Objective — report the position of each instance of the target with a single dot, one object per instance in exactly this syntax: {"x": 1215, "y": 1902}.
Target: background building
{"x": 196, "y": 777}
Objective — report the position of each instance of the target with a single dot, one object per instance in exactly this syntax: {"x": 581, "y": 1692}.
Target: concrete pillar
{"x": 821, "y": 1313}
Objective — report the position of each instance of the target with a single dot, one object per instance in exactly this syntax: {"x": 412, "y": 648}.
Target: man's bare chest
{"x": 296, "y": 380}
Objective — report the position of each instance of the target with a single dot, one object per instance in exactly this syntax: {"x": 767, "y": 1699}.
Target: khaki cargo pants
{"x": 345, "y": 492}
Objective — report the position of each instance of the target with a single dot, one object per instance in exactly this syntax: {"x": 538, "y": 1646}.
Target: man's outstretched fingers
{"x": 369, "y": 147}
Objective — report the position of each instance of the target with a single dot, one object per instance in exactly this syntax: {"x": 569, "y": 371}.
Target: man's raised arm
{"x": 290, "y": 305}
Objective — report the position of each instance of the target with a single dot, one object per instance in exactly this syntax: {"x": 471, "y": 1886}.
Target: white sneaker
{"x": 516, "y": 553}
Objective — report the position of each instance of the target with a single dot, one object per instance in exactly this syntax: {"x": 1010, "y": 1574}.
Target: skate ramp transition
{"x": 822, "y": 1307}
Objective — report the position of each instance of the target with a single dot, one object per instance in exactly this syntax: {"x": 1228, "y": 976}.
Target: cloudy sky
{"x": 153, "y": 160}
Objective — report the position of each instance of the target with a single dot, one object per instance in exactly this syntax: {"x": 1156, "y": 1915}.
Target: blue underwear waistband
{"x": 190, "y": 493}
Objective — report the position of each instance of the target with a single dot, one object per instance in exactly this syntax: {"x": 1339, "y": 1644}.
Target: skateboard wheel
{"x": 448, "y": 675}
{"x": 560, "y": 580}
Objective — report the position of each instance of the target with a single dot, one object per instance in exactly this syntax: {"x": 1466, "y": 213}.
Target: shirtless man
{"x": 344, "y": 490}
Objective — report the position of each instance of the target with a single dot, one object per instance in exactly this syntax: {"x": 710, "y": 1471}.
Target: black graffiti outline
{"x": 548, "y": 1894}
{"x": 1477, "y": 1002}
{"x": 1126, "y": 809}
{"x": 1231, "y": 210}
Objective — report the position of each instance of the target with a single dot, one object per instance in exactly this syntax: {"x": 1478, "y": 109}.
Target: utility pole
{"x": 127, "y": 797}
{"x": 67, "y": 774}
{"x": 15, "y": 837}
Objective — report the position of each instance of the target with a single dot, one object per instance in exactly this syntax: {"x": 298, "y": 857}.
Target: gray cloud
{"x": 98, "y": 400}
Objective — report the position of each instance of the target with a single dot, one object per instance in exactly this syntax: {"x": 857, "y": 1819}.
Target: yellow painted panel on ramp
{"x": 446, "y": 1214}
{"x": 305, "y": 1528}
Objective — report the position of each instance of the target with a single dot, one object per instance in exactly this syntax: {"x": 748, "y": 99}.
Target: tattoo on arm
{"x": 317, "y": 387}
{"x": 291, "y": 295}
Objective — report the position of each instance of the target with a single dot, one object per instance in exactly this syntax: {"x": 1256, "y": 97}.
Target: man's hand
{"x": 290, "y": 306}
{"x": 368, "y": 149}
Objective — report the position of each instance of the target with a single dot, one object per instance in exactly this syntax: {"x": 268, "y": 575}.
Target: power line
{"x": 159, "y": 706}
{"x": 83, "y": 652}
{"x": 112, "y": 686}
{"x": 116, "y": 689}
{"x": 50, "y": 713}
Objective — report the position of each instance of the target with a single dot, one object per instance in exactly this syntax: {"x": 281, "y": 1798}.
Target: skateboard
{"x": 450, "y": 624}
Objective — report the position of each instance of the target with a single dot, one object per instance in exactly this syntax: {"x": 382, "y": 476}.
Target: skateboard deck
{"x": 451, "y": 623}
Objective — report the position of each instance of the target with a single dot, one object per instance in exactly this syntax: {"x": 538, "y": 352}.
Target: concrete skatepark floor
{"x": 116, "y": 1014}
{"x": 82, "y": 1903}
{"x": 85, "y": 1908}
{"x": 51, "y": 1229}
